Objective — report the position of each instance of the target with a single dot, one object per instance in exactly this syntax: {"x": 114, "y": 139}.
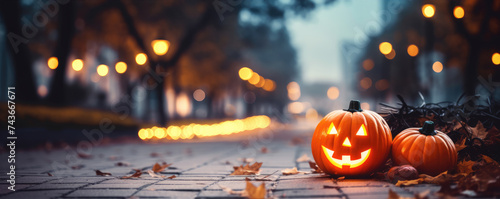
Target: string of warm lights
{"x": 255, "y": 79}
{"x": 205, "y": 130}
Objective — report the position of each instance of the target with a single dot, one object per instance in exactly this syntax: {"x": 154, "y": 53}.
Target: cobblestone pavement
{"x": 201, "y": 168}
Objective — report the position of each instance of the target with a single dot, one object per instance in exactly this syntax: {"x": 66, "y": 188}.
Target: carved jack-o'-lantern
{"x": 351, "y": 142}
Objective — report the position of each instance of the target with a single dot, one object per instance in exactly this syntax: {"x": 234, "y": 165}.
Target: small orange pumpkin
{"x": 429, "y": 151}
{"x": 351, "y": 142}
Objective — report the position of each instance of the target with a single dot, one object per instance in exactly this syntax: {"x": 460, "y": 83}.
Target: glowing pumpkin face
{"x": 351, "y": 142}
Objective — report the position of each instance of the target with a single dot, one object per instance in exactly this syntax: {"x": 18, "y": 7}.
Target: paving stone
{"x": 169, "y": 194}
{"x": 4, "y": 188}
{"x": 101, "y": 193}
{"x": 237, "y": 185}
{"x": 199, "y": 178}
{"x": 370, "y": 190}
{"x": 422, "y": 188}
{"x": 34, "y": 180}
{"x": 252, "y": 177}
{"x": 115, "y": 186}
{"x": 79, "y": 180}
{"x": 362, "y": 182}
{"x": 197, "y": 182}
{"x": 127, "y": 181}
{"x": 216, "y": 194}
{"x": 304, "y": 184}
{"x": 36, "y": 194}
{"x": 56, "y": 186}
{"x": 308, "y": 193}
{"x": 181, "y": 187}
{"x": 305, "y": 176}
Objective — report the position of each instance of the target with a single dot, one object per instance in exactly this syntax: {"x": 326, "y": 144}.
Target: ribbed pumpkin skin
{"x": 378, "y": 139}
{"x": 429, "y": 154}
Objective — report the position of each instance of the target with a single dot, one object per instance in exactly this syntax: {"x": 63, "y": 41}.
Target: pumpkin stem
{"x": 428, "y": 128}
{"x": 354, "y": 106}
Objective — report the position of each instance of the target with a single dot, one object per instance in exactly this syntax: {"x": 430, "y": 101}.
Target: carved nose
{"x": 346, "y": 143}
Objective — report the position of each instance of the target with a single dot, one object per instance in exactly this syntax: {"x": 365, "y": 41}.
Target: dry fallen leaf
{"x": 154, "y": 155}
{"x": 100, "y": 173}
{"x": 78, "y": 166}
{"x": 303, "y": 158}
{"x": 154, "y": 175}
{"x": 158, "y": 168}
{"x": 122, "y": 164}
{"x": 395, "y": 195}
{"x": 171, "y": 177}
{"x": 229, "y": 190}
{"x": 314, "y": 167}
{"x": 291, "y": 171}
{"x": 264, "y": 150}
{"x": 49, "y": 174}
{"x": 247, "y": 169}
{"x": 137, "y": 174}
{"x": 465, "y": 166}
{"x": 479, "y": 131}
{"x": 253, "y": 192}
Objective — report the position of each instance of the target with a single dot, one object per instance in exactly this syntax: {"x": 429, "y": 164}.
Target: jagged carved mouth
{"x": 346, "y": 159}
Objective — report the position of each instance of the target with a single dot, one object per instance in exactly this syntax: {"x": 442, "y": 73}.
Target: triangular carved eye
{"x": 361, "y": 131}
{"x": 332, "y": 129}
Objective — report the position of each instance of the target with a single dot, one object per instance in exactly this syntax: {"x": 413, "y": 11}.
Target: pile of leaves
{"x": 473, "y": 126}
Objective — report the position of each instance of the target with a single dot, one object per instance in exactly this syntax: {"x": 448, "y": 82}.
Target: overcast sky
{"x": 318, "y": 39}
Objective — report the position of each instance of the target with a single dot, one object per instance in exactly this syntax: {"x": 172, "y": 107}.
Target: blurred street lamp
{"x": 495, "y": 58}
{"x": 458, "y": 12}
{"x": 160, "y": 46}
{"x": 293, "y": 91}
{"x": 254, "y": 79}
{"x": 245, "y": 73}
{"x": 102, "y": 70}
{"x": 141, "y": 58}
{"x": 412, "y": 50}
{"x": 428, "y": 10}
{"x": 385, "y": 48}
{"x": 77, "y": 64}
{"x": 333, "y": 93}
{"x": 121, "y": 67}
{"x": 437, "y": 67}
{"x": 53, "y": 63}
{"x": 391, "y": 55}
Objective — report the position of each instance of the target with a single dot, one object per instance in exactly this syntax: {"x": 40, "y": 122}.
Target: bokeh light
{"x": 391, "y": 55}
{"x": 311, "y": 114}
{"x": 254, "y": 79}
{"x": 183, "y": 105}
{"x": 495, "y": 58}
{"x": 385, "y": 48}
{"x": 296, "y": 107}
{"x": 333, "y": 93}
{"x": 368, "y": 64}
{"x": 365, "y": 106}
{"x": 412, "y": 50}
{"x": 458, "y": 12}
{"x": 160, "y": 46}
{"x": 102, "y": 70}
{"x": 245, "y": 73}
{"x": 42, "y": 91}
{"x": 141, "y": 58}
{"x": 193, "y": 130}
{"x": 121, "y": 67}
{"x": 77, "y": 64}
{"x": 437, "y": 67}
{"x": 293, "y": 91}
{"x": 261, "y": 82}
{"x": 199, "y": 95}
{"x": 382, "y": 85}
{"x": 269, "y": 85}
{"x": 53, "y": 63}
{"x": 428, "y": 10}
{"x": 365, "y": 83}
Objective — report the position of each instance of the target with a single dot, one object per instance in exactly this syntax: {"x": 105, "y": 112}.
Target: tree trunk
{"x": 57, "y": 91}
{"x": 25, "y": 85}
